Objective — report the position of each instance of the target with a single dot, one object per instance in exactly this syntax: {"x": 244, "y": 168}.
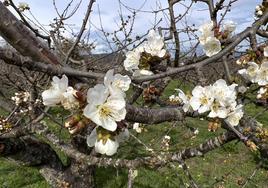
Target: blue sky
{"x": 242, "y": 13}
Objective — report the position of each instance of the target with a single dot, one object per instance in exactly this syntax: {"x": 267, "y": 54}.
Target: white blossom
{"x": 155, "y": 44}
{"x": 262, "y": 75}
{"x": 223, "y": 93}
{"x": 259, "y": 13}
{"x": 202, "y": 99}
{"x": 104, "y": 142}
{"x": 53, "y": 95}
{"x": 23, "y": 6}
{"x": 235, "y": 116}
{"x": 258, "y": 7}
{"x": 60, "y": 93}
{"x": 212, "y": 46}
{"x": 210, "y": 43}
{"x": 196, "y": 131}
{"x": 132, "y": 60}
{"x": 21, "y": 97}
{"x": 251, "y": 72}
{"x": 116, "y": 81}
{"x": 224, "y": 99}
{"x": 106, "y": 146}
{"x": 136, "y": 127}
{"x": 167, "y": 137}
{"x": 206, "y": 31}
{"x": 217, "y": 110}
{"x": 104, "y": 108}
{"x": 229, "y": 26}
{"x": 185, "y": 100}
{"x": 261, "y": 91}
{"x": 68, "y": 100}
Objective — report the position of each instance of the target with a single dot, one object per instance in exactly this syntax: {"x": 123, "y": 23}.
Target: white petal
{"x": 186, "y": 107}
{"x": 108, "y": 123}
{"x": 212, "y": 46}
{"x": 122, "y": 82}
{"x": 92, "y": 112}
{"x": 229, "y": 26}
{"x": 111, "y": 147}
{"x": 92, "y": 138}
{"x": 265, "y": 53}
{"x": 198, "y": 91}
{"x": 203, "y": 109}
{"x": 100, "y": 147}
{"x": 51, "y": 97}
{"x": 142, "y": 72}
{"x": 60, "y": 84}
{"x": 109, "y": 77}
{"x": 195, "y": 103}
{"x": 115, "y": 102}
{"x": 155, "y": 44}
{"x": 98, "y": 94}
{"x": 206, "y": 27}
{"x": 68, "y": 100}
{"x": 133, "y": 59}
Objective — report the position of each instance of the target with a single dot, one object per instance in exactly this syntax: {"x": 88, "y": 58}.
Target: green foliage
{"x": 13, "y": 175}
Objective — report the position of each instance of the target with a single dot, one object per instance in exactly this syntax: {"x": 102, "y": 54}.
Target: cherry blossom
{"x": 53, "y": 95}
{"x": 103, "y": 108}
{"x": 106, "y": 142}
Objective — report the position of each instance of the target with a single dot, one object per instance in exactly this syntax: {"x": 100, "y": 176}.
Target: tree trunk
{"x": 32, "y": 152}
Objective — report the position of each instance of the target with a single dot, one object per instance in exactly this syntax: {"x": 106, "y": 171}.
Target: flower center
{"x": 204, "y": 100}
{"x": 117, "y": 83}
{"x": 104, "y": 111}
{"x": 104, "y": 135}
{"x": 215, "y": 106}
{"x": 251, "y": 71}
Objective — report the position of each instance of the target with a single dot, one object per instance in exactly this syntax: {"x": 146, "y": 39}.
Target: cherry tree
{"x": 49, "y": 73}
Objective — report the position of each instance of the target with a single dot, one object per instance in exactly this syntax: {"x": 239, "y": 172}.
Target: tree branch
{"x": 22, "y": 39}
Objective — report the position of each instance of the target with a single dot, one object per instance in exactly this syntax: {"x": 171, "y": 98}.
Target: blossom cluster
{"x": 20, "y": 98}
{"x": 5, "y": 125}
{"x": 258, "y": 73}
{"x": 106, "y": 106}
{"x": 210, "y": 37}
{"x": 137, "y": 60}
{"x": 219, "y": 100}
{"x": 260, "y": 9}
{"x": 60, "y": 93}
{"x": 23, "y": 6}
{"x": 165, "y": 142}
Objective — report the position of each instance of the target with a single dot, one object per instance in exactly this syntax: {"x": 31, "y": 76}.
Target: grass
{"x": 224, "y": 167}
{"x": 13, "y": 176}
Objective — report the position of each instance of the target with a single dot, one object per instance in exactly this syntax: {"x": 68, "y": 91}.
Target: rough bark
{"x": 22, "y": 39}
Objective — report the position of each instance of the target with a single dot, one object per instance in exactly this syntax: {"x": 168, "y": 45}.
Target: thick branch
{"x": 153, "y": 161}
{"x": 14, "y": 59}
{"x": 153, "y": 116}
{"x": 32, "y": 151}
{"x": 22, "y": 39}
